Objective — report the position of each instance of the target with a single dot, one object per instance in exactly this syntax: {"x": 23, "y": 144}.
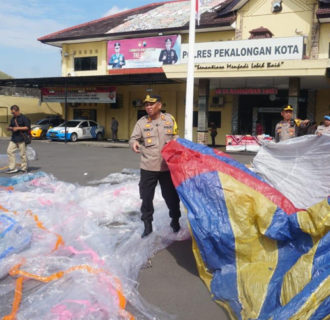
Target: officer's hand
{"x": 136, "y": 147}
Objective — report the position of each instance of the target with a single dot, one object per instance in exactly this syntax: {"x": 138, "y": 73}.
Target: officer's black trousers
{"x": 147, "y": 185}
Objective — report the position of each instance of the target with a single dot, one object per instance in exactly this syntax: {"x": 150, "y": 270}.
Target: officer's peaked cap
{"x": 152, "y": 98}
{"x": 288, "y": 108}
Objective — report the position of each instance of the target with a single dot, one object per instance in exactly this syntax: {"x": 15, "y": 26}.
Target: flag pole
{"x": 188, "y": 126}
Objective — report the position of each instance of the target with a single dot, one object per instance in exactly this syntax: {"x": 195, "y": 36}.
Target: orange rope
{"x": 8, "y": 188}
{"x": 57, "y": 275}
{"x": 16, "y": 301}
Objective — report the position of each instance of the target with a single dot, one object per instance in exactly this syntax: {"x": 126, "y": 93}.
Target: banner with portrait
{"x": 149, "y": 52}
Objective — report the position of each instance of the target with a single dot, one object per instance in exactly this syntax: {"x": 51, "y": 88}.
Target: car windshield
{"x": 70, "y": 124}
{"x": 42, "y": 121}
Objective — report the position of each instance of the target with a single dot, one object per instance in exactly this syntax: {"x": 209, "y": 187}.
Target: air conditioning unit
{"x": 217, "y": 101}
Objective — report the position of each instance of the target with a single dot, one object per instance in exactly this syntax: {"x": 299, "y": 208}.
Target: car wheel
{"x": 99, "y": 136}
{"x": 74, "y": 137}
{"x": 43, "y": 135}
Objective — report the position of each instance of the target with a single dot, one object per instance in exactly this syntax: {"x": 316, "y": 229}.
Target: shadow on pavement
{"x": 183, "y": 254}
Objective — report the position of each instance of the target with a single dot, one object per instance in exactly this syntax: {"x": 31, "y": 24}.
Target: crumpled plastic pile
{"x": 74, "y": 252}
{"x": 299, "y": 168}
{"x": 259, "y": 255}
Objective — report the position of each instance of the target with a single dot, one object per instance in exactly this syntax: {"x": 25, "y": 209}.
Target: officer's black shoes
{"x": 147, "y": 229}
{"x": 175, "y": 225}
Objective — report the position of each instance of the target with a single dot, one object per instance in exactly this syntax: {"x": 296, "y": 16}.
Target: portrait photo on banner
{"x": 151, "y": 52}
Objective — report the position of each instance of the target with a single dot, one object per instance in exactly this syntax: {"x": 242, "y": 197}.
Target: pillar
{"x": 294, "y": 88}
{"x": 203, "y": 103}
{"x": 234, "y": 117}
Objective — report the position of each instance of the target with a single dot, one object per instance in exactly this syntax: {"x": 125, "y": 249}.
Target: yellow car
{"x": 40, "y": 128}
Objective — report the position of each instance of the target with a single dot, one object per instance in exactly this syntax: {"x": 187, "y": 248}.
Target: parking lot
{"x": 171, "y": 282}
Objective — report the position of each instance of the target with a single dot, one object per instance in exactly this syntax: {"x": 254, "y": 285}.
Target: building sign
{"x": 144, "y": 52}
{"x": 249, "y": 91}
{"x": 245, "y": 142}
{"x": 246, "y": 50}
{"x": 238, "y": 66}
{"x": 79, "y": 94}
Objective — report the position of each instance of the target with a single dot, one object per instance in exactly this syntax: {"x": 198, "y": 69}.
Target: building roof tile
{"x": 170, "y": 15}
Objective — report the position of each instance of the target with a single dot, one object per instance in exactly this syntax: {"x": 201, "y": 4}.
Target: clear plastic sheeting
{"x": 85, "y": 249}
{"x": 299, "y": 168}
{"x": 118, "y": 177}
{"x": 13, "y": 237}
{"x": 30, "y": 153}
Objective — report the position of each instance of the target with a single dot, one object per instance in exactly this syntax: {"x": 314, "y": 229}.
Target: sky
{"x": 24, "y": 21}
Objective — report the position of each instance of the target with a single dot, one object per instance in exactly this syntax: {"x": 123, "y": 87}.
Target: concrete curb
{"x": 104, "y": 144}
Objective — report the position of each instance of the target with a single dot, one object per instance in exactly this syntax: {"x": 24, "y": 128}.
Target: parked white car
{"x": 77, "y": 130}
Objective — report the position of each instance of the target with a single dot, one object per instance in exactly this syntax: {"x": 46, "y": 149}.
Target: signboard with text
{"x": 149, "y": 52}
{"x": 246, "y": 91}
{"x": 79, "y": 94}
{"x": 270, "y": 49}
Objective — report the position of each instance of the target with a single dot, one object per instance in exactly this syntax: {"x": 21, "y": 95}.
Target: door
{"x": 86, "y": 130}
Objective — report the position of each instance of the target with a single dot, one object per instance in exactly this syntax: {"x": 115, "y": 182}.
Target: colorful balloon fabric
{"x": 259, "y": 255}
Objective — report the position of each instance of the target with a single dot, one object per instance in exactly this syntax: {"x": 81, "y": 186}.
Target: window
{"x": 214, "y": 116}
{"x": 4, "y": 115}
{"x": 119, "y": 102}
{"x": 84, "y": 124}
{"x": 89, "y": 114}
{"x": 44, "y": 121}
{"x": 55, "y": 122}
{"x": 92, "y": 124}
{"x": 86, "y": 63}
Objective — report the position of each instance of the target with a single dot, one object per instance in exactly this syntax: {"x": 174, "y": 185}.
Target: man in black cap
{"x": 149, "y": 136}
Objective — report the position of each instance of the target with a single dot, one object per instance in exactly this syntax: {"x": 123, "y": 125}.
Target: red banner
{"x": 245, "y": 142}
{"x": 238, "y": 91}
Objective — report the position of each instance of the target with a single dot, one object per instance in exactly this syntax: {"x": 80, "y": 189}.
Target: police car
{"x": 39, "y": 129}
{"x": 77, "y": 130}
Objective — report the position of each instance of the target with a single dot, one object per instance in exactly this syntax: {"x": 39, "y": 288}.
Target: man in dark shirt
{"x": 114, "y": 129}
{"x": 19, "y": 126}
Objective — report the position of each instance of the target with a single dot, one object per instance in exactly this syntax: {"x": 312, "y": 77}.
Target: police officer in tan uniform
{"x": 288, "y": 127}
{"x": 324, "y": 128}
{"x": 149, "y": 136}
